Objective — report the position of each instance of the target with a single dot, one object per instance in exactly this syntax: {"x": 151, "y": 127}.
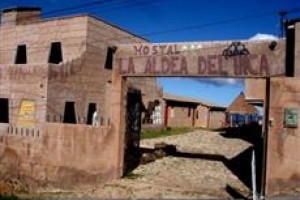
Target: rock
{"x": 147, "y": 158}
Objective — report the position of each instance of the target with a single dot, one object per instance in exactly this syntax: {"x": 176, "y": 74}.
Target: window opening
{"x": 4, "y": 110}
{"x": 21, "y": 57}
{"x": 91, "y": 110}
{"x": 70, "y": 114}
{"x": 55, "y": 56}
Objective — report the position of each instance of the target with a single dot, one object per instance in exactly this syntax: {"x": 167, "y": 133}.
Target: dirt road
{"x": 209, "y": 166}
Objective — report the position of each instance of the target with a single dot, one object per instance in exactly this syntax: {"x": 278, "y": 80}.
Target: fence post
{"x": 253, "y": 173}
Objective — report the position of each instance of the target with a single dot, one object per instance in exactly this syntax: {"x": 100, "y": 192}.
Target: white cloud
{"x": 262, "y": 36}
{"x": 220, "y": 81}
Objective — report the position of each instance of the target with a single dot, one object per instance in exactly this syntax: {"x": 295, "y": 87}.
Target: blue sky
{"x": 150, "y": 16}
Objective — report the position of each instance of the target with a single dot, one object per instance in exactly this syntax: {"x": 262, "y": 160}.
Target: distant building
{"x": 239, "y": 112}
{"x": 182, "y": 111}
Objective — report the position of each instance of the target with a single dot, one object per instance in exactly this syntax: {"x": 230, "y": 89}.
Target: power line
{"x": 177, "y": 29}
{"x": 180, "y": 28}
{"x": 293, "y": 10}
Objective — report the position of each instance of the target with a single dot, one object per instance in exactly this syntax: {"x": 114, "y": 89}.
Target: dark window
{"x": 4, "y": 111}
{"x": 69, "y": 114}
{"x": 109, "y": 57}
{"x": 197, "y": 114}
{"x": 21, "y": 57}
{"x": 189, "y": 113}
{"x": 91, "y": 110}
{"x": 55, "y": 56}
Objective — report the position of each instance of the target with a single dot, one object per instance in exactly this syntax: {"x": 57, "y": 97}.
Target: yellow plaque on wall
{"x": 26, "y": 117}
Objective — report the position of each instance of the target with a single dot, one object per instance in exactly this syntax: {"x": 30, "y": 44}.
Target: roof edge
{"x": 115, "y": 26}
{"x": 21, "y": 9}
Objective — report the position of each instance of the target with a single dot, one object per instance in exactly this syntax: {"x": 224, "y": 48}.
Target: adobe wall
{"x": 100, "y": 36}
{"x": 297, "y": 49}
{"x": 178, "y": 115}
{"x": 203, "y": 116}
{"x": 149, "y": 87}
{"x": 57, "y": 154}
{"x": 283, "y": 155}
{"x": 71, "y": 31}
{"x": 25, "y": 84}
{"x": 217, "y": 119}
{"x": 255, "y": 89}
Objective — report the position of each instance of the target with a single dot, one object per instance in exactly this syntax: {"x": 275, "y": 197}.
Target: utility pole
{"x": 283, "y": 18}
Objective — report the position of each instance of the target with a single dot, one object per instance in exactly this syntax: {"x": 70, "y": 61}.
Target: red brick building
{"x": 240, "y": 113}
{"x": 182, "y": 111}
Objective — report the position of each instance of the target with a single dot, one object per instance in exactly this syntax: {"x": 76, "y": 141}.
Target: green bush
{"x": 162, "y": 133}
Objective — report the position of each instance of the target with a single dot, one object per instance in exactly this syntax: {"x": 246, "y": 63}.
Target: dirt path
{"x": 204, "y": 171}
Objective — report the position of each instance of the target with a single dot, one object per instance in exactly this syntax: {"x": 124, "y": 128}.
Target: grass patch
{"x": 162, "y": 133}
{"x": 9, "y": 197}
{"x": 132, "y": 176}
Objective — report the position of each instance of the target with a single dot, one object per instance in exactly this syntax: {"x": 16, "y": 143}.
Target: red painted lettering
{"x": 236, "y": 65}
{"x": 173, "y": 62}
{"x": 184, "y": 67}
{"x": 131, "y": 66}
{"x": 201, "y": 65}
{"x": 154, "y": 50}
{"x": 220, "y": 63}
{"x": 148, "y": 68}
{"x": 211, "y": 64}
{"x": 264, "y": 66}
{"x": 138, "y": 50}
{"x": 162, "y": 48}
{"x": 165, "y": 64}
{"x": 146, "y": 50}
{"x": 252, "y": 57}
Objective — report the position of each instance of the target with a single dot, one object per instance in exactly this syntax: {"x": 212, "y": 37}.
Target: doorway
{"x": 69, "y": 113}
{"x": 4, "y": 110}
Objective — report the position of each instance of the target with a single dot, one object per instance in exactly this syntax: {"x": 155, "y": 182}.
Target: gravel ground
{"x": 179, "y": 177}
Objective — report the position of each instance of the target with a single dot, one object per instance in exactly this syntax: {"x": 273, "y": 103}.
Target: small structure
{"x": 182, "y": 111}
{"x": 239, "y": 112}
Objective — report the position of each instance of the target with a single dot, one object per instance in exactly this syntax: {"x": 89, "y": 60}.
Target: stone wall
{"x": 283, "y": 163}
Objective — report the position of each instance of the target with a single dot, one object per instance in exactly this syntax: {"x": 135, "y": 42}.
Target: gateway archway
{"x": 261, "y": 59}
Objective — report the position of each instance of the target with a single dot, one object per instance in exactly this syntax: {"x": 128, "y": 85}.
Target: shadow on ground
{"x": 239, "y": 165}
